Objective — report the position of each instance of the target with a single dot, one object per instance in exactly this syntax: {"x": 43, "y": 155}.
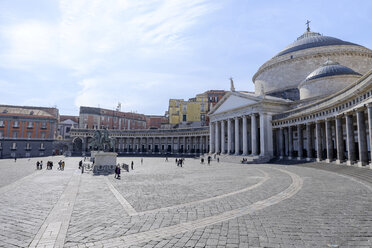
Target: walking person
{"x": 141, "y": 161}
{"x": 37, "y": 165}
{"x": 82, "y": 167}
{"x": 63, "y": 165}
{"x": 41, "y": 164}
{"x": 131, "y": 165}
{"x": 59, "y": 164}
{"x": 81, "y": 163}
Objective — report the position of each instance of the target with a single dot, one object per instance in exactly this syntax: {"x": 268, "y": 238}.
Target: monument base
{"x": 104, "y": 162}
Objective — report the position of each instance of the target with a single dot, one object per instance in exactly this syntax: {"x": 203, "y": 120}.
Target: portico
{"x": 248, "y": 120}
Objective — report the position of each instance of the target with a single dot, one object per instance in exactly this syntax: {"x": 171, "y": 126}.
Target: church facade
{"x": 313, "y": 100}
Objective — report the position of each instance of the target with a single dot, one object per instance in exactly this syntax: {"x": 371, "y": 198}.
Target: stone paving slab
{"x": 161, "y": 205}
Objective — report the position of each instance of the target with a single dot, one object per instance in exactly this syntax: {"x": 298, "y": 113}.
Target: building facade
{"x": 27, "y": 131}
{"x": 194, "y": 111}
{"x": 180, "y": 142}
{"x": 98, "y": 118}
{"x": 312, "y": 101}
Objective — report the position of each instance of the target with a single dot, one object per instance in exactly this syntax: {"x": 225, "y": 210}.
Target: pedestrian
{"x": 82, "y": 167}
{"x": 81, "y": 163}
{"x": 59, "y": 164}
{"x": 41, "y": 164}
{"x": 37, "y": 165}
{"x": 218, "y": 159}
{"x": 131, "y": 165}
{"x": 116, "y": 171}
{"x": 63, "y": 165}
{"x": 166, "y": 159}
{"x": 15, "y": 159}
{"x": 202, "y": 160}
{"x": 141, "y": 161}
{"x": 209, "y": 160}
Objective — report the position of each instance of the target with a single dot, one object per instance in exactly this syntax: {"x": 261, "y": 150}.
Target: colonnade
{"x": 163, "y": 145}
{"x": 343, "y": 138}
{"x": 238, "y": 135}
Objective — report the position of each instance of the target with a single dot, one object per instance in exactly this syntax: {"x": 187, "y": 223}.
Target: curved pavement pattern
{"x": 161, "y": 205}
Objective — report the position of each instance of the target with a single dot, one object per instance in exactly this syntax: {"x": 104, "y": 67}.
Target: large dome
{"x": 281, "y": 75}
{"x": 331, "y": 69}
{"x": 326, "y": 80}
{"x": 310, "y": 40}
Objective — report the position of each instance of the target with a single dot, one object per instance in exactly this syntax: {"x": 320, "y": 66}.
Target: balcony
{"x": 13, "y": 148}
{"x": 43, "y": 127}
{"x": 30, "y": 126}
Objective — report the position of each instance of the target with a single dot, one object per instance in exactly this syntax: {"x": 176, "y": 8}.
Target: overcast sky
{"x": 68, "y": 53}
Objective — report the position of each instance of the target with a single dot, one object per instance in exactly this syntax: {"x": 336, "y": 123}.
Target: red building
{"x": 156, "y": 121}
{"x": 98, "y": 118}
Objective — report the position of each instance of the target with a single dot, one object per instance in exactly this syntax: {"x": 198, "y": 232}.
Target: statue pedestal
{"x": 104, "y": 162}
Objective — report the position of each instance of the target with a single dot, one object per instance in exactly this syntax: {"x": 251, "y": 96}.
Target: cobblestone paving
{"x": 25, "y": 206}
{"x": 161, "y": 205}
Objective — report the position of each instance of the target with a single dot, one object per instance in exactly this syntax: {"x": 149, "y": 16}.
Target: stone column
{"x": 318, "y": 141}
{"x": 254, "y": 131}
{"x": 286, "y": 141}
{"x": 266, "y": 136}
{"x": 211, "y": 138}
{"x": 229, "y": 136}
{"x": 237, "y": 142}
{"x": 184, "y": 144}
{"x": 350, "y": 140}
{"x": 369, "y": 110}
{"x": 290, "y": 142}
{"x": 362, "y": 139}
{"x": 329, "y": 144}
{"x": 245, "y": 136}
{"x": 300, "y": 142}
{"x": 309, "y": 141}
{"x": 223, "y": 150}
{"x": 217, "y": 135}
{"x": 281, "y": 143}
{"x": 339, "y": 140}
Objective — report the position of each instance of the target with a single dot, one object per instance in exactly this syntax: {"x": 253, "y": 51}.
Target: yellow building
{"x": 192, "y": 111}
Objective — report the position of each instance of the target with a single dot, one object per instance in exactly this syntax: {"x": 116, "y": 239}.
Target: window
{"x": 29, "y": 135}
{"x": 1, "y": 146}
{"x": 43, "y": 135}
{"x": 30, "y": 125}
{"x": 184, "y": 108}
{"x": 42, "y": 147}
{"x": 184, "y": 118}
{"x": 1, "y": 123}
{"x": 28, "y": 146}
{"x": 43, "y": 125}
{"x": 202, "y": 109}
{"x": 15, "y": 135}
{"x": 14, "y": 146}
{"x": 1, "y": 134}
{"x": 216, "y": 98}
{"x": 16, "y": 124}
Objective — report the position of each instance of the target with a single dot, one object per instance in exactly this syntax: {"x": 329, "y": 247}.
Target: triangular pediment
{"x": 233, "y": 102}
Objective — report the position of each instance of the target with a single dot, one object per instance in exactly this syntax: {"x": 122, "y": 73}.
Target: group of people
{"x": 49, "y": 165}
{"x": 180, "y": 161}
{"x": 244, "y": 161}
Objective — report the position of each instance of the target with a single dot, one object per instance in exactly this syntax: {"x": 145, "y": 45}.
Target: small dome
{"x": 330, "y": 68}
{"x": 312, "y": 39}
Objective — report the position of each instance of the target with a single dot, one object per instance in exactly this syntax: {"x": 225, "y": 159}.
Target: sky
{"x": 141, "y": 53}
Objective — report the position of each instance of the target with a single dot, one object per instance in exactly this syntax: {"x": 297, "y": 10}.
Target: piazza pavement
{"x": 161, "y": 205}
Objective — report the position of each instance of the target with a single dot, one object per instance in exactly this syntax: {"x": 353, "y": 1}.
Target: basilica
{"x": 312, "y": 101}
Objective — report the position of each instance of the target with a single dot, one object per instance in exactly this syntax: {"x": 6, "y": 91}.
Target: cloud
{"x": 110, "y": 48}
